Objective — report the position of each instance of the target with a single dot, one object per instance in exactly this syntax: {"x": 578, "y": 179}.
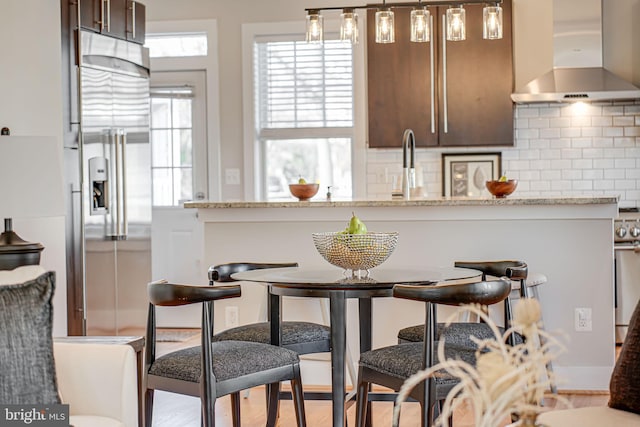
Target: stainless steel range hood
{"x": 578, "y": 73}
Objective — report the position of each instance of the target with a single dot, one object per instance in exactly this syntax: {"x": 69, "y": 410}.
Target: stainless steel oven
{"x": 627, "y": 268}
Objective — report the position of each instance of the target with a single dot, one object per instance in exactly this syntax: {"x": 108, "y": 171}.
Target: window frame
{"x": 254, "y": 160}
{"x": 209, "y": 64}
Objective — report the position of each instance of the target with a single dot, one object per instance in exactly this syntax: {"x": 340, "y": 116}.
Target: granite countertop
{"x": 444, "y": 201}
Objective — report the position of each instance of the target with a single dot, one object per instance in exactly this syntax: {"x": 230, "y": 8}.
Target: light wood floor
{"x": 174, "y": 410}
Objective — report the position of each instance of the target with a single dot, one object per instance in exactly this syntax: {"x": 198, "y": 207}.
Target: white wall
{"x": 31, "y": 104}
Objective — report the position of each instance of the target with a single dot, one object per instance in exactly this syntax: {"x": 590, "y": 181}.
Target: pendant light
{"x": 349, "y": 26}
{"x": 385, "y": 28}
{"x": 456, "y": 24}
{"x": 420, "y": 24}
{"x": 492, "y": 22}
{"x": 315, "y": 24}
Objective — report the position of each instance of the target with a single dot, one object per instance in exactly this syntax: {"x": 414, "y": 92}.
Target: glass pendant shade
{"x": 385, "y": 28}
{"x": 420, "y": 25}
{"x": 349, "y": 26}
{"x": 456, "y": 24}
{"x": 492, "y": 22}
{"x": 315, "y": 24}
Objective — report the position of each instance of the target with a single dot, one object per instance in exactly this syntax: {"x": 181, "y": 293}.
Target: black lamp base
{"x": 15, "y": 251}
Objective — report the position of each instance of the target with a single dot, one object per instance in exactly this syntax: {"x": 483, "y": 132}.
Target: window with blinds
{"x": 304, "y": 114}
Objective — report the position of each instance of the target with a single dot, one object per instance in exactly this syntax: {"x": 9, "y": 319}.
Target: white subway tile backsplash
{"x": 632, "y": 131}
{"x": 582, "y": 185}
{"x": 527, "y": 111}
{"x": 551, "y": 153}
{"x": 625, "y": 184}
{"x": 560, "y": 164}
{"x": 602, "y": 121}
{"x": 539, "y": 143}
{"x": 624, "y": 163}
{"x": 570, "y": 132}
{"x": 593, "y": 174}
{"x": 613, "y": 153}
{"x": 582, "y": 164}
{"x": 581, "y": 142}
{"x": 550, "y": 112}
{"x": 550, "y": 133}
{"x": 527, "y": 133}
{"x": 613, "y": 110}
{"x": 563, "y": 122}
{"x": 551, "y": 175}
{"x": 540, "y": 185}
{"x": 539, "y": 123}
{"x": 591, "y": 132}
{"x": 624, "y": 142}
{"x": 614, "y": 174}
{"x": 571, "y": 153}
{"x": 541, "y": 165}
{"x": 592, "y": 153}
{"x": 603, "y": 163}
{"x": 571, "y": 174}
{"x": 613, "y": 132}
{"x": 602, "y": 142}
{"x": 557, "y": 151}
{"x": 560, "y": 185}
{"x": 581, "y": 121}
{"x": 623, "y": 121}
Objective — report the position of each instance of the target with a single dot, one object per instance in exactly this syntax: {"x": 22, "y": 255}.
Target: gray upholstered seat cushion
{"x": 456, "y": 333}
{"x": 403, "y": 360}
{"x": 292, "y": 333}
{"x": 27, "y": 369}
{"x": 624, "y": 387}
{"x": 231, "y": 359}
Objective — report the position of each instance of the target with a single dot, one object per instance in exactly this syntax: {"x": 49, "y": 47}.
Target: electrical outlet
{"x": 583, "y": 320}
{"x": 231, "y": 316}
{"x": 232, "y": 176}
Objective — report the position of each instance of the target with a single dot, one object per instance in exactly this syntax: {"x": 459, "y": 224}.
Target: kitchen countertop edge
{"x": 577, "y": 200}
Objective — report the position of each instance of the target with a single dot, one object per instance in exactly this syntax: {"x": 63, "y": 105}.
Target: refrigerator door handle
{"x": 118, "y": 186}
{"x": 124, "y": 231}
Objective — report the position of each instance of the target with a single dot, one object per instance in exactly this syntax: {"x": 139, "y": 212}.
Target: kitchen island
{"x": 569, "y": 239}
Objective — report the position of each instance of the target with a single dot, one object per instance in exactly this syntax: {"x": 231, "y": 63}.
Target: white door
{"x": 179, "y": 168}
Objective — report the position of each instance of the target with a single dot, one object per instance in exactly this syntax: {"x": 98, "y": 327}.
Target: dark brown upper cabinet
{"x": 452, "y": 94}
{"x": 123, "y": 19}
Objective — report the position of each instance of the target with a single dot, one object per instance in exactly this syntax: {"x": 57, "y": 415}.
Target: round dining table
{"x": 337, "y": 286}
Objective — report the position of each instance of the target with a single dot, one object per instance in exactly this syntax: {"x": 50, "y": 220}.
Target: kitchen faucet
{"x": 408, "y": 170}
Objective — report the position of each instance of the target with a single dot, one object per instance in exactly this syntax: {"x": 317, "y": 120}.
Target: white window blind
{"x": 304, "y": 85}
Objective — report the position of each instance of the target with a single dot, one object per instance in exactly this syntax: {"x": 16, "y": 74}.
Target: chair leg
{"x": 148, "y": 407}
{"x": 273, "y": 393}
{"x": 235, "y": 409}
{"x": 298, "y": 398}
{"x": 362, "y": 401}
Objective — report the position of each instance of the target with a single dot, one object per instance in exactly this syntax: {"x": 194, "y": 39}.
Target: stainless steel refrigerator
{"x": 109, "y": 173}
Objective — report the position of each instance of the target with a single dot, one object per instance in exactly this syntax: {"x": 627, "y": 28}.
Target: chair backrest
{"x": 163, "y": 293}
{"x": 484, "y": 293}
{"x": 513, "y": 269}
{"x": 223, "y": 272}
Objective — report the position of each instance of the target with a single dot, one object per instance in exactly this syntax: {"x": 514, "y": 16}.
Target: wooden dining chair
{"x": 301, "y": 337}
{"x": 391, "y": 366}
{"x": 461, "y": 332}
{"x": 211, "y": 370}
